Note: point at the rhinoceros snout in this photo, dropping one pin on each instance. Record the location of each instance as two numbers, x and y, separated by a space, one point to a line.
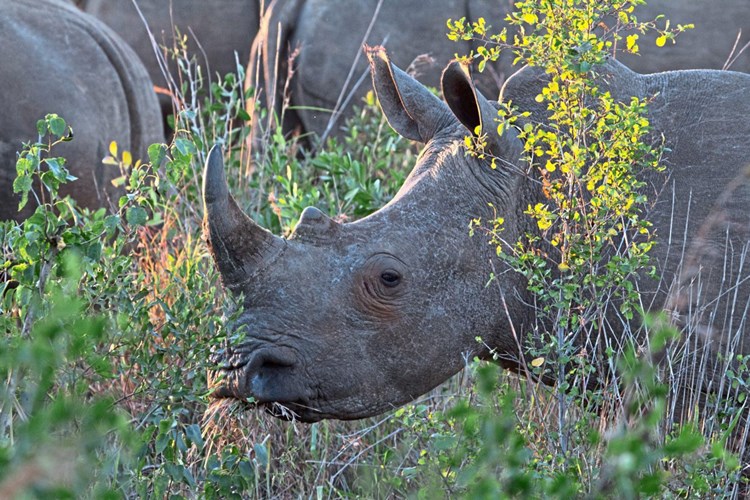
267 374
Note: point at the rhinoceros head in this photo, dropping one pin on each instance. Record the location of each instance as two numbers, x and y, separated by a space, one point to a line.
349 320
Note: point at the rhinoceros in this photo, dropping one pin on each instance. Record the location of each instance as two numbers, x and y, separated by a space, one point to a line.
329 71
329 68
216 29
348 320
56 59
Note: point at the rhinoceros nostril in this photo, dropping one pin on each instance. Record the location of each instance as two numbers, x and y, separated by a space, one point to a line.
265 373
271 377
277 358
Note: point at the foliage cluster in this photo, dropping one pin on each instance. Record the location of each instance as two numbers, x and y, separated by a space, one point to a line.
586 247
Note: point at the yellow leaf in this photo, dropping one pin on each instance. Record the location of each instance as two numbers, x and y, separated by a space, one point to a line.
661 41
537 362
119 181
530 17
127 158
539 98
631 43
113 148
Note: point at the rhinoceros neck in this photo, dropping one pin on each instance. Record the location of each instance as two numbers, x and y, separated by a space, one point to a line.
451 188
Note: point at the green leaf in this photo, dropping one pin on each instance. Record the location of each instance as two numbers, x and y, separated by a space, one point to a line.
156 154
22 185
246 469
162 440
243 115
111 222
56 125
41 127
119 181
193 432
136 216
686 442
184 146
261 454
57 167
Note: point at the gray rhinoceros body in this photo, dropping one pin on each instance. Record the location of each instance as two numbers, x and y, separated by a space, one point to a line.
216 29
718 25
56 59
350 320
330 70
328 34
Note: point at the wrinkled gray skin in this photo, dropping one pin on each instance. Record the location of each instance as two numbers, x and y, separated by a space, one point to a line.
216 29
56 59
407 29
350 320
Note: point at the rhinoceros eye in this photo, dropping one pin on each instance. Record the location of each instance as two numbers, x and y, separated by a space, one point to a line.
390 278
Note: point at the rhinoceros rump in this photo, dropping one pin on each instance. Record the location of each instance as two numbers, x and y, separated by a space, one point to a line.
56 59
350 320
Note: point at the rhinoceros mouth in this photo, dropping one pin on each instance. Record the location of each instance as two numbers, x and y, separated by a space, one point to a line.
273 378
267 375
294 411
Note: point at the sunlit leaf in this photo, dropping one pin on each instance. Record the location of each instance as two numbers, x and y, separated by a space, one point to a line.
127 158
530 17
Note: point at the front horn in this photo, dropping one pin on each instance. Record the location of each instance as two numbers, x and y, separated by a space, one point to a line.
238 244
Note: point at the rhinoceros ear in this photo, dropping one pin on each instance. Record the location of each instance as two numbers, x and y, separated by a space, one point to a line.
473 110
411 109
238 244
